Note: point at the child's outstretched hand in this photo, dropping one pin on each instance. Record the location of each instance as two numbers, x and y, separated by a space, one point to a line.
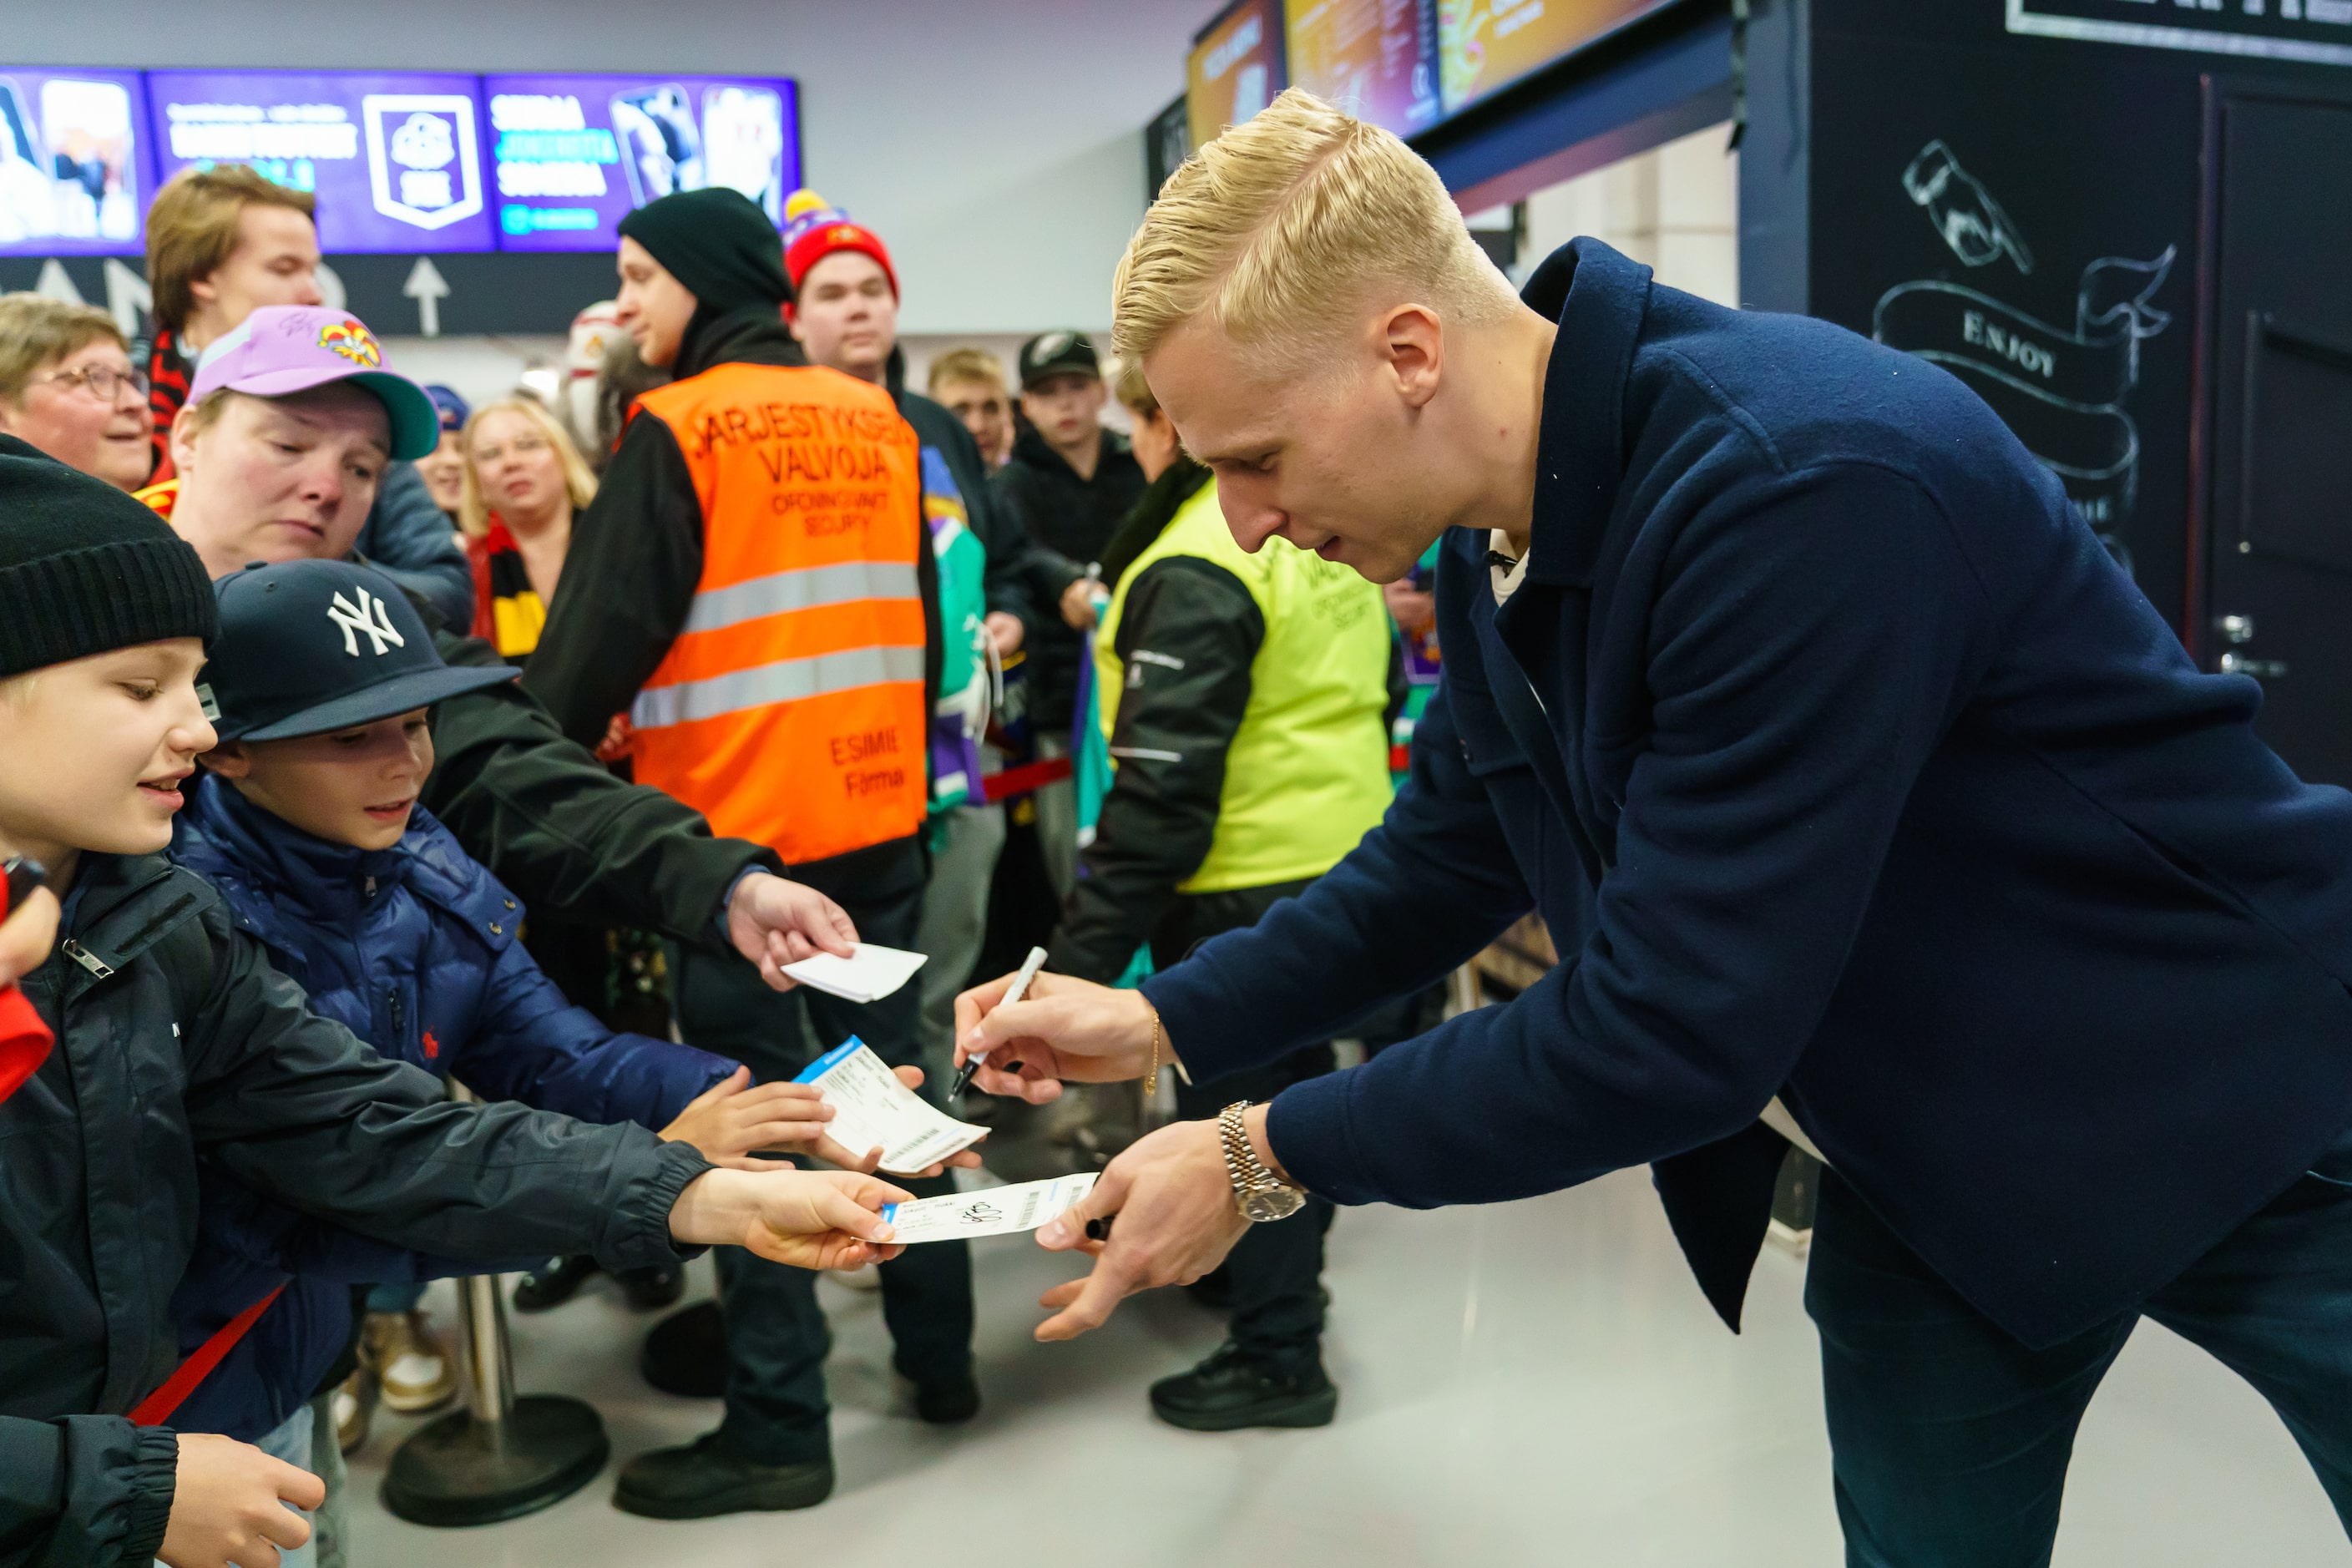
810 1219
733 1118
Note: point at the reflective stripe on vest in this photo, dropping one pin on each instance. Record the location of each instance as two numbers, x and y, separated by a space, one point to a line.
790 710
787 681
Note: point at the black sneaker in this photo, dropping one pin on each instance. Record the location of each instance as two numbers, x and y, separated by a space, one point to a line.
553 1283
703 1480
947 1403
1229 1391
653 1287
686 1352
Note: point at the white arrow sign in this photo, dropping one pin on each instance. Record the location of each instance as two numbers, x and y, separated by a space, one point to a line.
54 283
428 288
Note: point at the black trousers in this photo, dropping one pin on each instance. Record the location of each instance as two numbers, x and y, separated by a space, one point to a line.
777 1413
1276 1270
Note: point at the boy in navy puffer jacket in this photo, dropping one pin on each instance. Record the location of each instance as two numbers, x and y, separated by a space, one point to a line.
306 821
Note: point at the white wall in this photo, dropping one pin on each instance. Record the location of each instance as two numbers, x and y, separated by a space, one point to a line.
1676 207
997 147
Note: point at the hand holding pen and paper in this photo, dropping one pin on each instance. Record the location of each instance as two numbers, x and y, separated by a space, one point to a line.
735 1118
1058 1030
1019 987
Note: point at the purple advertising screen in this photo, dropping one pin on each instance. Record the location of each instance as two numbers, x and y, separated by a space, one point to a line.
569 156
76 170
396 158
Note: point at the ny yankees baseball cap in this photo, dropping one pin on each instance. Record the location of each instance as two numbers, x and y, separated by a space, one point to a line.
281 350
306 646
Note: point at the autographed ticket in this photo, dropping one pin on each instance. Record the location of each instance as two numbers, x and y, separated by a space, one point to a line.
996 1211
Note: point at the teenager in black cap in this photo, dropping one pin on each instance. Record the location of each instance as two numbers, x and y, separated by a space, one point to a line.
1070 483
754 587
176 1039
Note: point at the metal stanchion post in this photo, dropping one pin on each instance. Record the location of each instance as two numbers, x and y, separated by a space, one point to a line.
501 1456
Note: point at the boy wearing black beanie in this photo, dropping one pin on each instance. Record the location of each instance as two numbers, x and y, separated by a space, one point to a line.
175 1039
754 587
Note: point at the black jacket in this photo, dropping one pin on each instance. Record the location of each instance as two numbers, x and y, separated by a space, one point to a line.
1170 737
636 558
176 1038
556 826
1068 522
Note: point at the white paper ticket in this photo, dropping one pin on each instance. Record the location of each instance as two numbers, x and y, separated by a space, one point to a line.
992 1211
871 1108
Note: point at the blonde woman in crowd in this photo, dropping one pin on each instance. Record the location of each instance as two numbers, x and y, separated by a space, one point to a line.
525 481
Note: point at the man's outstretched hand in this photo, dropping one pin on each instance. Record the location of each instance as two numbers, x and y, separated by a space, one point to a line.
1176 1220
774 922
1062 1031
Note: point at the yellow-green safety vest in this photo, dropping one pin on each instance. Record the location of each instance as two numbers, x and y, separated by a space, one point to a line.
1308 773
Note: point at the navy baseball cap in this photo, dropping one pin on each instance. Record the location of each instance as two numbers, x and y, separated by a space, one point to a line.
306 646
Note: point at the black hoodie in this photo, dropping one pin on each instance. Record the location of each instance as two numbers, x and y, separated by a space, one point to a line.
636 556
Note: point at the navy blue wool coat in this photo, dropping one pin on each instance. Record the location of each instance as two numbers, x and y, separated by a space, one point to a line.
1845 765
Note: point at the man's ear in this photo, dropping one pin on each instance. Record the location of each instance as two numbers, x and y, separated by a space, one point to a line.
204 290
1411 342
229 759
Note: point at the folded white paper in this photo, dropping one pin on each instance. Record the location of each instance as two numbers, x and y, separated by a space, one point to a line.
995 1211
871 1108
873 974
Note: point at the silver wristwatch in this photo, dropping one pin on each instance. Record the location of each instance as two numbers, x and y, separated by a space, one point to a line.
1260 1194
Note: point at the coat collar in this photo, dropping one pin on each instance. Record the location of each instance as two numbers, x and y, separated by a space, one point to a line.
314 876
1599 298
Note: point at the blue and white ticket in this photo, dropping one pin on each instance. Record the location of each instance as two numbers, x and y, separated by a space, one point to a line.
872 1109
992 1211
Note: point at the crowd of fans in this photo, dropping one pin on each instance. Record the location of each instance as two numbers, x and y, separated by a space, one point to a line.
498 845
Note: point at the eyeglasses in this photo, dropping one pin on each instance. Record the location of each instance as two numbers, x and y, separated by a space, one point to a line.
522 446
105 383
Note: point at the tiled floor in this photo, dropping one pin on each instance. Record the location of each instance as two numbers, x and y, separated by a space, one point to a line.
1532 1383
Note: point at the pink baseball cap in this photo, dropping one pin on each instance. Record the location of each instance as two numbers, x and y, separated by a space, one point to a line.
283 349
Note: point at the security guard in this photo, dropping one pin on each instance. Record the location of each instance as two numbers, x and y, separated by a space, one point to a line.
754 590
1246 697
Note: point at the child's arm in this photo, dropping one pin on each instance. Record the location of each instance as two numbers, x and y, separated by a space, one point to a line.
533 1046
299 1109
83 1490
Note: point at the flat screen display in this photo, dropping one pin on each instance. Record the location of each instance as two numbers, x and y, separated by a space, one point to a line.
394 158
569 156
1375 58
76 172
1486 44
1235 67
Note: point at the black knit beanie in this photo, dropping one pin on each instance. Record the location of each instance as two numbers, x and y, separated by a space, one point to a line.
85 568
718 243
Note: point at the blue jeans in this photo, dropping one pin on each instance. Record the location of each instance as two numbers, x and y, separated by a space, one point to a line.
1950 1440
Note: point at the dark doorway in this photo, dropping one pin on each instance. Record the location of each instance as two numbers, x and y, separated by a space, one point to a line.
2279 538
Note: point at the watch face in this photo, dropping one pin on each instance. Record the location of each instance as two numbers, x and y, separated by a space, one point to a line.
1272 1203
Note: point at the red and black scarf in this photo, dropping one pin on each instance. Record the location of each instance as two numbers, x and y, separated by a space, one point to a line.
507 608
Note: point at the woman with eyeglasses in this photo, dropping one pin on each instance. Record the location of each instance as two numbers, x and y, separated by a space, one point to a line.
66 386
524 481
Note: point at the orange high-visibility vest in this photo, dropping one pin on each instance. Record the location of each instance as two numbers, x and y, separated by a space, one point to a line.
790 710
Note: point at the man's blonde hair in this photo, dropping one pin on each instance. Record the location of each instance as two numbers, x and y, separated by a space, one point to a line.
37 331
578 478
1283 228
966 364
